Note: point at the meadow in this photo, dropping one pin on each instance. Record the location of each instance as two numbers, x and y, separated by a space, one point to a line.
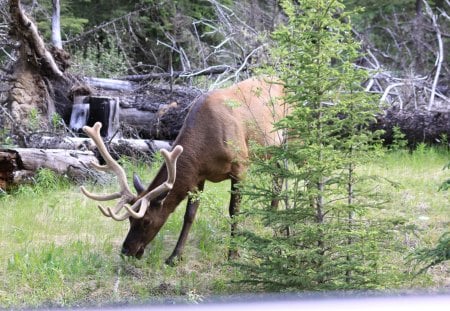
56 249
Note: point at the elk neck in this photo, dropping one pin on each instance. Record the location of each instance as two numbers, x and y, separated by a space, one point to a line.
189 163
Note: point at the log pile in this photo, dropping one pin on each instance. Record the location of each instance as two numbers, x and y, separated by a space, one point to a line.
156 111
148 112
69 156
145 114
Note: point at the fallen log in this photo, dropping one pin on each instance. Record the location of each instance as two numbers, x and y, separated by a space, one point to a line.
120 146
19 164
110 84
418 126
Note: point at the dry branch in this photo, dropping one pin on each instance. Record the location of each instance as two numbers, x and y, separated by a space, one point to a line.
182 74
404 73
440 53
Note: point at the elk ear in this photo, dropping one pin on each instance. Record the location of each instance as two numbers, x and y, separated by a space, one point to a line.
138 184
159 200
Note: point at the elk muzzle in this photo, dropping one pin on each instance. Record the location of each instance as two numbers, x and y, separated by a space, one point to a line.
136 251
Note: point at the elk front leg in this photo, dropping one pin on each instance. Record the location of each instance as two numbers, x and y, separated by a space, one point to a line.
189 216
235 201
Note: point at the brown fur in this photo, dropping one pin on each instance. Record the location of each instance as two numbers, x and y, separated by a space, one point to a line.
215 137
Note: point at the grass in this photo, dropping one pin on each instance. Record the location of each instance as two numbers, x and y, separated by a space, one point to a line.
416 202
56 249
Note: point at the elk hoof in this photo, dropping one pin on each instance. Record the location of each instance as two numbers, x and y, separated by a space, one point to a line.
173 260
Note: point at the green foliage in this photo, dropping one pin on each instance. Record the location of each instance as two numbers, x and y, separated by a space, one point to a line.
45 180
421 149
49 180
171 22
321 239
104 60
99 11
58 250
147 29
50 265
430 257
57 122
374 10
5 137
399 142
34 118
71 23
443 140
446 184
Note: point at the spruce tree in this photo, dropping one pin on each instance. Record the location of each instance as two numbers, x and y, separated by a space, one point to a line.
317 238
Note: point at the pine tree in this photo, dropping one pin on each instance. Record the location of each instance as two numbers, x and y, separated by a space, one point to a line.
317 238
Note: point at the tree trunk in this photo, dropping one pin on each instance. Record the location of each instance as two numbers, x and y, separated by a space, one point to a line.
419 5
56 24
66 156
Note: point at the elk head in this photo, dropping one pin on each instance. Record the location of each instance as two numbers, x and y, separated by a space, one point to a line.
131 206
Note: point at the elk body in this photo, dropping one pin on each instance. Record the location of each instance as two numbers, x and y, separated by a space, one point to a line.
213 145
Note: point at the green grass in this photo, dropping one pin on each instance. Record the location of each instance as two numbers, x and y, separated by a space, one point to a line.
56 249
413 200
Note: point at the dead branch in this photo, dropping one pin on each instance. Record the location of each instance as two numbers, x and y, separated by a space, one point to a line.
440 57
409 51
243 66
179 74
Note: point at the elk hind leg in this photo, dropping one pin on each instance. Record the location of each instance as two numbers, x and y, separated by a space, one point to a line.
235 200
277 186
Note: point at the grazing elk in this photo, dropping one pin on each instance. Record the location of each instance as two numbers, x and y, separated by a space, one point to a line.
213 145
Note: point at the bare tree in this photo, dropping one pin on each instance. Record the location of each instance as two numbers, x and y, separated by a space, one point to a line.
56 24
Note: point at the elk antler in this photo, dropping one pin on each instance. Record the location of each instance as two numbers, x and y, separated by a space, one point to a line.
125 194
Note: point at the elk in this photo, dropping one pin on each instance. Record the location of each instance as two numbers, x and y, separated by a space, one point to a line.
213 145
